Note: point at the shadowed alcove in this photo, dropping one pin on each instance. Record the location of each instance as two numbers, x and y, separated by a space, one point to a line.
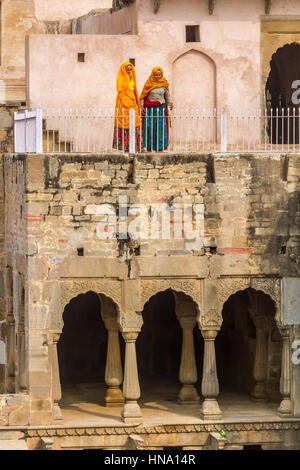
249 348
284 70
159 349
82 351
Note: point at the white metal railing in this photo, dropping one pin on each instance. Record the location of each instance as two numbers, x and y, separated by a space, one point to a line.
190 130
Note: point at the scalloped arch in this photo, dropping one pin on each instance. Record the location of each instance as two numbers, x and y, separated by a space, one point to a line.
189 287
71 289
269 286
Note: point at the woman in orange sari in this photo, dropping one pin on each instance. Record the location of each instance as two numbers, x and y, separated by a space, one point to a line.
127 98
155 99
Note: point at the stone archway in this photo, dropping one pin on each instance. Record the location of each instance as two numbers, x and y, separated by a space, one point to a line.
284 70
173 289
170 346
158 347
250 347
85 354
81 350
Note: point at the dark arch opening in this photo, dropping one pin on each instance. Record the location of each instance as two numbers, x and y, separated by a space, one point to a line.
284 70
82 345
82 351
159 347
236 346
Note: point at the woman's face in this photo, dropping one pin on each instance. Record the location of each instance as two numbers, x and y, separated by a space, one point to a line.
128 69
157 75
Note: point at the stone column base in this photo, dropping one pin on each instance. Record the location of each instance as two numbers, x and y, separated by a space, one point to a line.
285 408
259 393
57 416
211 409
114 397
131 413
10 385
188 394
261 399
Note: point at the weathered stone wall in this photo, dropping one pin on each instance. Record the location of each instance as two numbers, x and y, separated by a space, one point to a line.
251 230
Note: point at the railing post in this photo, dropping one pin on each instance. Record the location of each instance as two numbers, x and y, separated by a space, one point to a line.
39 131
132 131
28 131
224 130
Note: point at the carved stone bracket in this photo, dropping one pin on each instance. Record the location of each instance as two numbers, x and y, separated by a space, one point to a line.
210 319
150 287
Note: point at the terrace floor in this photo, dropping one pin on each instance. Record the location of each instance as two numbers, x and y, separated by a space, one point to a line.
83 405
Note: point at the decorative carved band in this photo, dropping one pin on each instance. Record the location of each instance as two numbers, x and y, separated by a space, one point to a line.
165 429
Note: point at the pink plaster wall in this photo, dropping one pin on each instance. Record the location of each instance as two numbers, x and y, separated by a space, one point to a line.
230 37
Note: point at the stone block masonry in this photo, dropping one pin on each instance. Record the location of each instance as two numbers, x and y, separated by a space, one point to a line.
52 250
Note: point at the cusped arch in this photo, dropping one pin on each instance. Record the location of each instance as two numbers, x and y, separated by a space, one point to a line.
191 288
174 292
230 286
285 47
71 289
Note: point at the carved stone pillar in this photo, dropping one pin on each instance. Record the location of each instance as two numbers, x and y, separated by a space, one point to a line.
113 369
131 388
10 384
188 368
210 384
56 387
260 361
285 408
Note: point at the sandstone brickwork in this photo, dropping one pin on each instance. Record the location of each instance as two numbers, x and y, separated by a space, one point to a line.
53 252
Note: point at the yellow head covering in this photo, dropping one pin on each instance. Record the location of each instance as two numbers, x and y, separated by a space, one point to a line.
151 83
127 96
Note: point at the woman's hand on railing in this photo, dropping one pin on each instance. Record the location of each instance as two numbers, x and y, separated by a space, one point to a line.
171 105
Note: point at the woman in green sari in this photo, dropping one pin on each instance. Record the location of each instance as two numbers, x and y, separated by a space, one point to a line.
155 99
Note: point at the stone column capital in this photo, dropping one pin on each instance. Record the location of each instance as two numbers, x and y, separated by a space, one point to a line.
284 331
187 323
261 322
209 335
10 319
111 323
53 336
130 336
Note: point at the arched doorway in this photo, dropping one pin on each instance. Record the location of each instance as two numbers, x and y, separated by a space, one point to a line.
89 352
284 70
160 349
249 348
